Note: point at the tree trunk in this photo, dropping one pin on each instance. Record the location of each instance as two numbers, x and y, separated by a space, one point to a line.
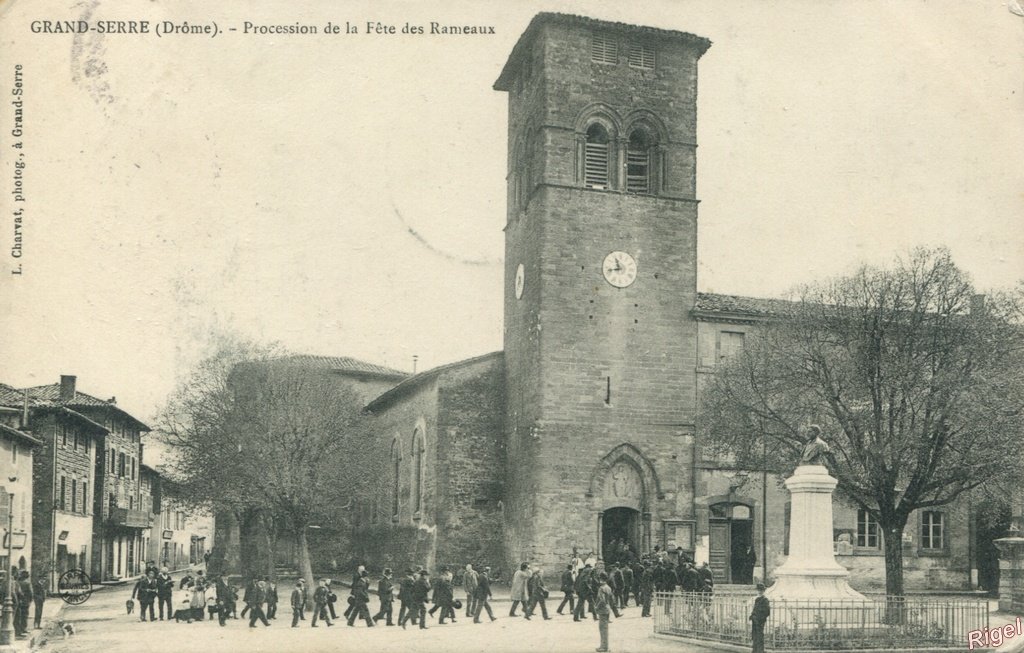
893 540
268 545
305 563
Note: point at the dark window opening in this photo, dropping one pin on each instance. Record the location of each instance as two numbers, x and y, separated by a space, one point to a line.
638 162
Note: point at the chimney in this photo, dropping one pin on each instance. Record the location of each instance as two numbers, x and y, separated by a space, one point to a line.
67 387
977 304
24 412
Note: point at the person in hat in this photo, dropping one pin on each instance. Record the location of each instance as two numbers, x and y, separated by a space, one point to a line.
360 597
538 593
469 584
483 593
298 603
305 598
420 592
758 617
320 602
385 591
405 598
604 604
566 587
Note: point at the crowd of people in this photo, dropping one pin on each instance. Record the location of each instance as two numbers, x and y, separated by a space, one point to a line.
586 591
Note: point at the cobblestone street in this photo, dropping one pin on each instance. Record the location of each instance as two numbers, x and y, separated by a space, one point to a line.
103 627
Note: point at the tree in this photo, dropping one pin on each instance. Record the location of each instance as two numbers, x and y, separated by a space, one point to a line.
259 434
916 384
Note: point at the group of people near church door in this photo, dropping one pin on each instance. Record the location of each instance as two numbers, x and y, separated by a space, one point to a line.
24 594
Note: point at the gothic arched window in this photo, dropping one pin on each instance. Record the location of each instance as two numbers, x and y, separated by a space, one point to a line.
639 157
417 472
396 462
596 157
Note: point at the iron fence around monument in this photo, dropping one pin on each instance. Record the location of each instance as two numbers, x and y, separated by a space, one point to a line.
794 625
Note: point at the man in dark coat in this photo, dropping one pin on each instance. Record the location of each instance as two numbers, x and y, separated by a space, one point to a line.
690 579
646 590
320 601
254 604
483 593
567 590
469 584
251 589
445 597
584 593
271 591
707 579
420 592
538 594
39 597
225 600
164 592
385 589
298 602
360 597
758 617
405 598
627 584
147 590
25 594
617 583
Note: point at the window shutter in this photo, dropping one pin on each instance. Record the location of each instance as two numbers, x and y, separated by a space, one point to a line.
596 165
641 56
604 49
638 168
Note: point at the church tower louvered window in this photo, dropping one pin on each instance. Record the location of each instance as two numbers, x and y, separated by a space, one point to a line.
596 157
638 162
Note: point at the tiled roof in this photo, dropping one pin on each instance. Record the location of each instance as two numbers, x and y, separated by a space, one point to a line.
417 379
21 435
51 394
12 397
342 364
739 305
505 79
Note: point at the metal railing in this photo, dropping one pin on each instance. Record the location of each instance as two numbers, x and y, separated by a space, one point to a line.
893 622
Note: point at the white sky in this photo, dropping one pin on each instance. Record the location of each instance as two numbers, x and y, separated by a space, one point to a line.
183 184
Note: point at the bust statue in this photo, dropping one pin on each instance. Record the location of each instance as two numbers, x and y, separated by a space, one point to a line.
816 449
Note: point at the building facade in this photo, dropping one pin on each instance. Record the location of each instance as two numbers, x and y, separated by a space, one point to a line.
17 449
581 432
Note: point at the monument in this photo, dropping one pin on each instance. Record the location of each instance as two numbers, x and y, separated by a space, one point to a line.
811 570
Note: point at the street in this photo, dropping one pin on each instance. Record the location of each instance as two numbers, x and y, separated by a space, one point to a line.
103 627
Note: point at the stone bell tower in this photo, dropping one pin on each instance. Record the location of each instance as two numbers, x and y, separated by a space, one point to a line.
600 278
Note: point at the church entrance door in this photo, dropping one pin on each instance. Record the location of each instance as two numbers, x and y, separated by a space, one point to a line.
732 554
619 526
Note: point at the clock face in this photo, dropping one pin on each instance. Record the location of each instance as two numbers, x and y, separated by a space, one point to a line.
520 280
619 269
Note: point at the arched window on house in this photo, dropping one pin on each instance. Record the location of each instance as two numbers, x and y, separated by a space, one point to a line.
639 161
417 472
596 154
396 462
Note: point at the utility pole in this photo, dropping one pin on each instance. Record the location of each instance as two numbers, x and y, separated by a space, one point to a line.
764 504
6 626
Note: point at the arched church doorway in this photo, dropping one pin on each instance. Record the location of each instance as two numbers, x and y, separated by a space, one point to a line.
619 527
732 553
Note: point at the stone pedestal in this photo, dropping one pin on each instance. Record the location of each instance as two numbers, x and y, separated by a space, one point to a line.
811 570
1011 574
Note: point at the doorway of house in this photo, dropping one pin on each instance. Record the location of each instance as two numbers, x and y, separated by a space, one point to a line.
619 526
732 554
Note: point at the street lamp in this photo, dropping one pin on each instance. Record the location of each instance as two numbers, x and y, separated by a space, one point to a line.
6 627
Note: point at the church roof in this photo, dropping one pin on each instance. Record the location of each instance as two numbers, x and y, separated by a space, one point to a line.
736 305
417 380
342 364
504 82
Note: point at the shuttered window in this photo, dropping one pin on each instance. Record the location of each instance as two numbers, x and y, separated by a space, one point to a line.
595 164
638 163
604 49
641 56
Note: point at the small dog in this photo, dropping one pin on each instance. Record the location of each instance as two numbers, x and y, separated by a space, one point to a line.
183 614
129 605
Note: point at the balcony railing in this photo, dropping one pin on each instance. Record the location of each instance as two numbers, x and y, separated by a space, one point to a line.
130 518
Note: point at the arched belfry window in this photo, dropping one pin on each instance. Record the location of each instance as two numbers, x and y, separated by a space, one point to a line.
596 157
417 472
396 462
639 161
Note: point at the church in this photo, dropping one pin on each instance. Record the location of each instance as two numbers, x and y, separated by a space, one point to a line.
581 432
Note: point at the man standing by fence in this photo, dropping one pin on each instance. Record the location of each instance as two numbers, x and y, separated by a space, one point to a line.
758 617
